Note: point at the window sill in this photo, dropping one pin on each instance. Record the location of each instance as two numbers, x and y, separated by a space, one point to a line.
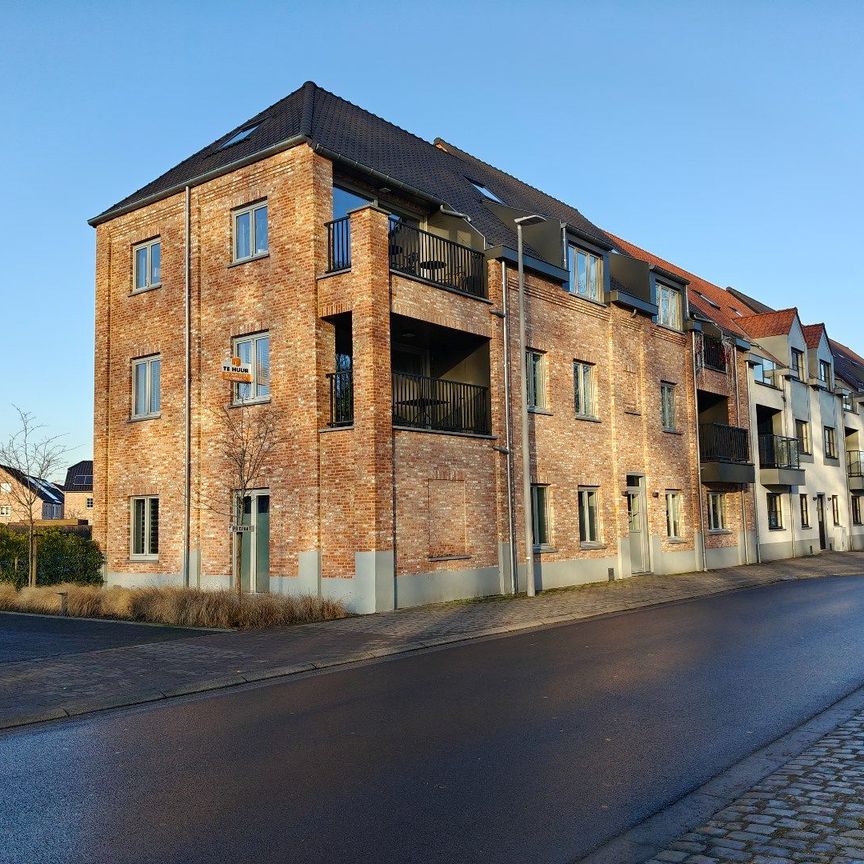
676 541
588 418
769 386
137 559
546 411
670 329
673 431
593 300
250 402
589 544
542 549
778 528
633 412
251 258
337 428
832 460
715 531
144 290
449 557
144 417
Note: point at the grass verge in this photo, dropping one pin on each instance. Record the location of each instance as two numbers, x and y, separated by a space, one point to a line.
182 607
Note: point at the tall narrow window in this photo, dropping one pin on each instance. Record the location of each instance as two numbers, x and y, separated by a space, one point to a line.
775 511
667 406
145 527
668 306
716 511
583 389
254 351
535 364
835 508
540 514
797 363
830 443
673 515
146 375
805 511
586 273
589 514
825 372
802 433
147 265
858 509
250 232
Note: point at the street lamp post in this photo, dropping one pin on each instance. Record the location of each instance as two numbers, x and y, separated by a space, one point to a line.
526 454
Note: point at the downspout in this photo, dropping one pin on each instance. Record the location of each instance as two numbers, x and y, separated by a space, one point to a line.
508 435
698 453
738 423
187 393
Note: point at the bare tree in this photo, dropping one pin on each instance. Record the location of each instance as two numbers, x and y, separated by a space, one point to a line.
30 457
248 434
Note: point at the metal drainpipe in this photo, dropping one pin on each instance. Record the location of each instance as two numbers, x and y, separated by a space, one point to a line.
187 393
738 423
698 454
508 434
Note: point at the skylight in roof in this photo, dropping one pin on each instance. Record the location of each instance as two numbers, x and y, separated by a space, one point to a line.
708 300
237 137
486 193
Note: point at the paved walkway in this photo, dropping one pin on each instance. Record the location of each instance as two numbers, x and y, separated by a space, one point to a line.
52 688
811 810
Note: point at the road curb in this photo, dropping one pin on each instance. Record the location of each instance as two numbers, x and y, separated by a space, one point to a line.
657 832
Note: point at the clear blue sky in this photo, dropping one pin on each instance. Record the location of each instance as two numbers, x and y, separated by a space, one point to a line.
726 137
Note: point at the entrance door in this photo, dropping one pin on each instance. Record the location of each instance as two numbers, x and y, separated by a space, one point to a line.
637 518
255 544
820 515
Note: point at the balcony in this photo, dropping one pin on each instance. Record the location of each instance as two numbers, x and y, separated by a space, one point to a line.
725 454
778 461
421 402
712 355
338 244
855 469
341 398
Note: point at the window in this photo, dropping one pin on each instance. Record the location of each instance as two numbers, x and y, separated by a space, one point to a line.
589 514
802 433
825 372
344 201
667 406
716 511
805 511
253 351
775 511
835 508
486 193
797 363
540 514
147 265
586 273
88 503
250 232
145 528
830 443
668 306
858 509
673 515
763 370
146 374
849 402
237 137
535 364
5 510
583 389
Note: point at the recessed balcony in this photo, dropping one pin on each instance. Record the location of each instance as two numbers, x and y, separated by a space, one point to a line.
725 454
779 463
855 469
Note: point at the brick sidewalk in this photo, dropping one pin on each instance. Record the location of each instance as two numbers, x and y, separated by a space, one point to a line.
811 810
32 691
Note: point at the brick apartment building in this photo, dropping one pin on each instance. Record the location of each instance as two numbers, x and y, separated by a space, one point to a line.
369 280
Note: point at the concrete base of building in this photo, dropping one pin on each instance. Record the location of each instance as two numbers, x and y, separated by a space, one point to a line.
440 586
856 541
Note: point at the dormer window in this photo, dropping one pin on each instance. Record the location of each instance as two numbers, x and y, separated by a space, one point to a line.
668 306
825 372
586 273
797 363
486 193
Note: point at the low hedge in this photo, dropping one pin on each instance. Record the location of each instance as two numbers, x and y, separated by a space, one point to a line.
61 556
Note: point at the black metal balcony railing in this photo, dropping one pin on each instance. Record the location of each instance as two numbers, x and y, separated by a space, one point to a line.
777 451
341 398
855 461
414 252
719 443
713 355
338 244
435 403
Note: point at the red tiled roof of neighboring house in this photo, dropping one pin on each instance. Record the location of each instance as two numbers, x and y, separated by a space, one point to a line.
708 299
813 333
769 323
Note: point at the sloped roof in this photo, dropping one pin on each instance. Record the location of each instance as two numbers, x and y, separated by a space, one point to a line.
710 300
351 135
848 365
769 323
813 333
79 477
44 489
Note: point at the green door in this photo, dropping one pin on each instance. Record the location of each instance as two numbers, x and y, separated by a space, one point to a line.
255 543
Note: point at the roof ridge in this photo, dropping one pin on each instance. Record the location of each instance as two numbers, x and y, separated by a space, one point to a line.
775 312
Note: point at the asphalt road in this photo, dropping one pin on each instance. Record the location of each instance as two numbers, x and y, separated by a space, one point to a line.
529 748
31 637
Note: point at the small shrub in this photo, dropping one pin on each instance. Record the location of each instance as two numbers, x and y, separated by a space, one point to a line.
65 557
13 557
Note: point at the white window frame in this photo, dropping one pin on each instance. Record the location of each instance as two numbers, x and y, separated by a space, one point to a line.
251 209
673 514
148 387
593 290
716 511
589 496
776 498
148 275
835 510
825 370
668 413
535 373
584 389
804 509
149 554
669 314
540 495
256 396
